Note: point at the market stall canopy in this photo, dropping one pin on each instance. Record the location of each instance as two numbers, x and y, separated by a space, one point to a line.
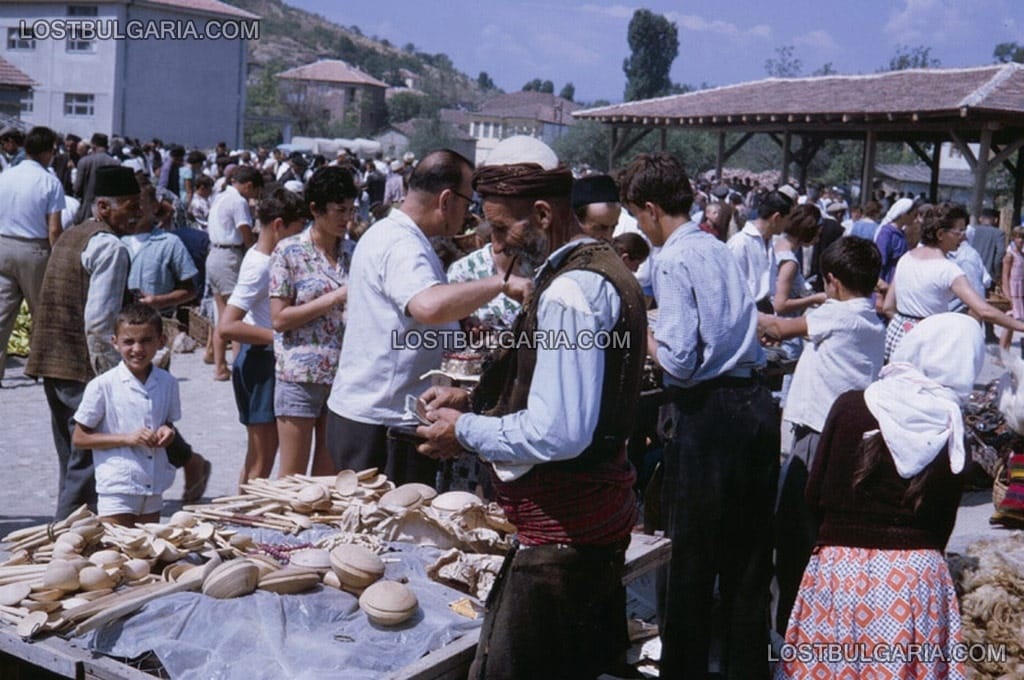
983 105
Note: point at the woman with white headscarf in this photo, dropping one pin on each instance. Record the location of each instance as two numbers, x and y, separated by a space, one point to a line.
886 485
927 280
891 238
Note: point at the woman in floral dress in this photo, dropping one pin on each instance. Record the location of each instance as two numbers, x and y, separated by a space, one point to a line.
308 289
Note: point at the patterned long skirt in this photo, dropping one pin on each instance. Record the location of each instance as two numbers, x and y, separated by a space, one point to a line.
899 325
874 614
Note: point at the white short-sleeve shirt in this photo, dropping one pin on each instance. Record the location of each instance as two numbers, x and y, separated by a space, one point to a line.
843 352
228 212
923 285
382 357
117 403
757 261
252 292
28 193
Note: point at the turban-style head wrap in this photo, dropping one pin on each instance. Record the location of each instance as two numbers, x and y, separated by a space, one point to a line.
522 167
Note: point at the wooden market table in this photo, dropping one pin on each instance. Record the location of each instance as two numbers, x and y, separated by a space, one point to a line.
56 657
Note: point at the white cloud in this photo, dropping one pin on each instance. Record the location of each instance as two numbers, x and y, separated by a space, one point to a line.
687 22
819 39
929 21
558 47
692 22
613 11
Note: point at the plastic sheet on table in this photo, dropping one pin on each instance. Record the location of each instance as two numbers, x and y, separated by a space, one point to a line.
304 636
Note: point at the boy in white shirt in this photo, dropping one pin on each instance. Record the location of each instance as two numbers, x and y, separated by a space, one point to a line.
125 418
845 341
246 320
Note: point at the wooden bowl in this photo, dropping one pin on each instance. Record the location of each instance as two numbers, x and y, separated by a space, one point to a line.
108 559
346 483
62 575
135 569
183 519
72 539
427 492
233 578
289 580
453 501
95 578
356 566
311 558
388 603
404 497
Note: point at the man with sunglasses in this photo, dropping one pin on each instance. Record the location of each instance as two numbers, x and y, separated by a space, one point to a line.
399 305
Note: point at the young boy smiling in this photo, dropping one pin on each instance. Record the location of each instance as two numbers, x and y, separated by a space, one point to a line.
125 418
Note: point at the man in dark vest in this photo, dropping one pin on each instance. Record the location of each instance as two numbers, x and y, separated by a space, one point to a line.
551 416
83 290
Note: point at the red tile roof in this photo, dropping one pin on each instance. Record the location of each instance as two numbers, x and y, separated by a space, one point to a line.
927 92
541 106
11 75
331 71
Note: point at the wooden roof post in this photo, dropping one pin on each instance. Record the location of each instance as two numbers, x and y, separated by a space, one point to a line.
1018 190
614 148
867 175
720 156
933 184
981 174
787 158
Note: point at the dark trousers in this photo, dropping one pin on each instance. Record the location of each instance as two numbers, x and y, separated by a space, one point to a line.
721 468
76 483
358 446
554 612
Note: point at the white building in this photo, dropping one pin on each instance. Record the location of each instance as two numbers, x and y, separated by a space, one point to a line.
173 69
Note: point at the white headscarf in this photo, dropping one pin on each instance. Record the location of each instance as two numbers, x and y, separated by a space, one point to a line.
898 209
916 399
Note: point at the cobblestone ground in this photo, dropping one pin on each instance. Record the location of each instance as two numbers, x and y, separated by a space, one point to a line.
210 422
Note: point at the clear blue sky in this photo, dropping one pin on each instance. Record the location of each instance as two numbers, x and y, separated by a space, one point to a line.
720 41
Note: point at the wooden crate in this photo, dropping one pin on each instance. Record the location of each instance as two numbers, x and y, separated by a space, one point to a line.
199 327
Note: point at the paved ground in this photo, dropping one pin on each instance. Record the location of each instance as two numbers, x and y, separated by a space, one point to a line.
210 423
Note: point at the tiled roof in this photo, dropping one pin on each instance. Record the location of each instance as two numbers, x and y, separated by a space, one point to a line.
540 106
207 6
331 71
913 93
11 76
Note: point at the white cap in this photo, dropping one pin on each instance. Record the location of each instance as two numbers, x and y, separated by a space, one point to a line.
294 186
522 149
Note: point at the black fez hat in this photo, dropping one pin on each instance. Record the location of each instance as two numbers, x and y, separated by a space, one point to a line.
116 180
594 189
298 158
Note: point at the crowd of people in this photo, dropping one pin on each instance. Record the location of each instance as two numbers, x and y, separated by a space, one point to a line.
327 281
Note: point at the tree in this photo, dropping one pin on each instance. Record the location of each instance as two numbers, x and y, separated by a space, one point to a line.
1006 52
654 45
535 85
484 81
568 91
547 86
912 57
784 64
429 135
825 70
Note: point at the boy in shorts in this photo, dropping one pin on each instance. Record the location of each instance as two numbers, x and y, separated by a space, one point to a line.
125 418
246 320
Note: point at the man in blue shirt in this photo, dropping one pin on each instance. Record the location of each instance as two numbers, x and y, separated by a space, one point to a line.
721 459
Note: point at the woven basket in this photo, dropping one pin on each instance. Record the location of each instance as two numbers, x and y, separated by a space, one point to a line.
198 326
999 485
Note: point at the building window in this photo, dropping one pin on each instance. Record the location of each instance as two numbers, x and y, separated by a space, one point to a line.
74 43
27 103
79 104
16 40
